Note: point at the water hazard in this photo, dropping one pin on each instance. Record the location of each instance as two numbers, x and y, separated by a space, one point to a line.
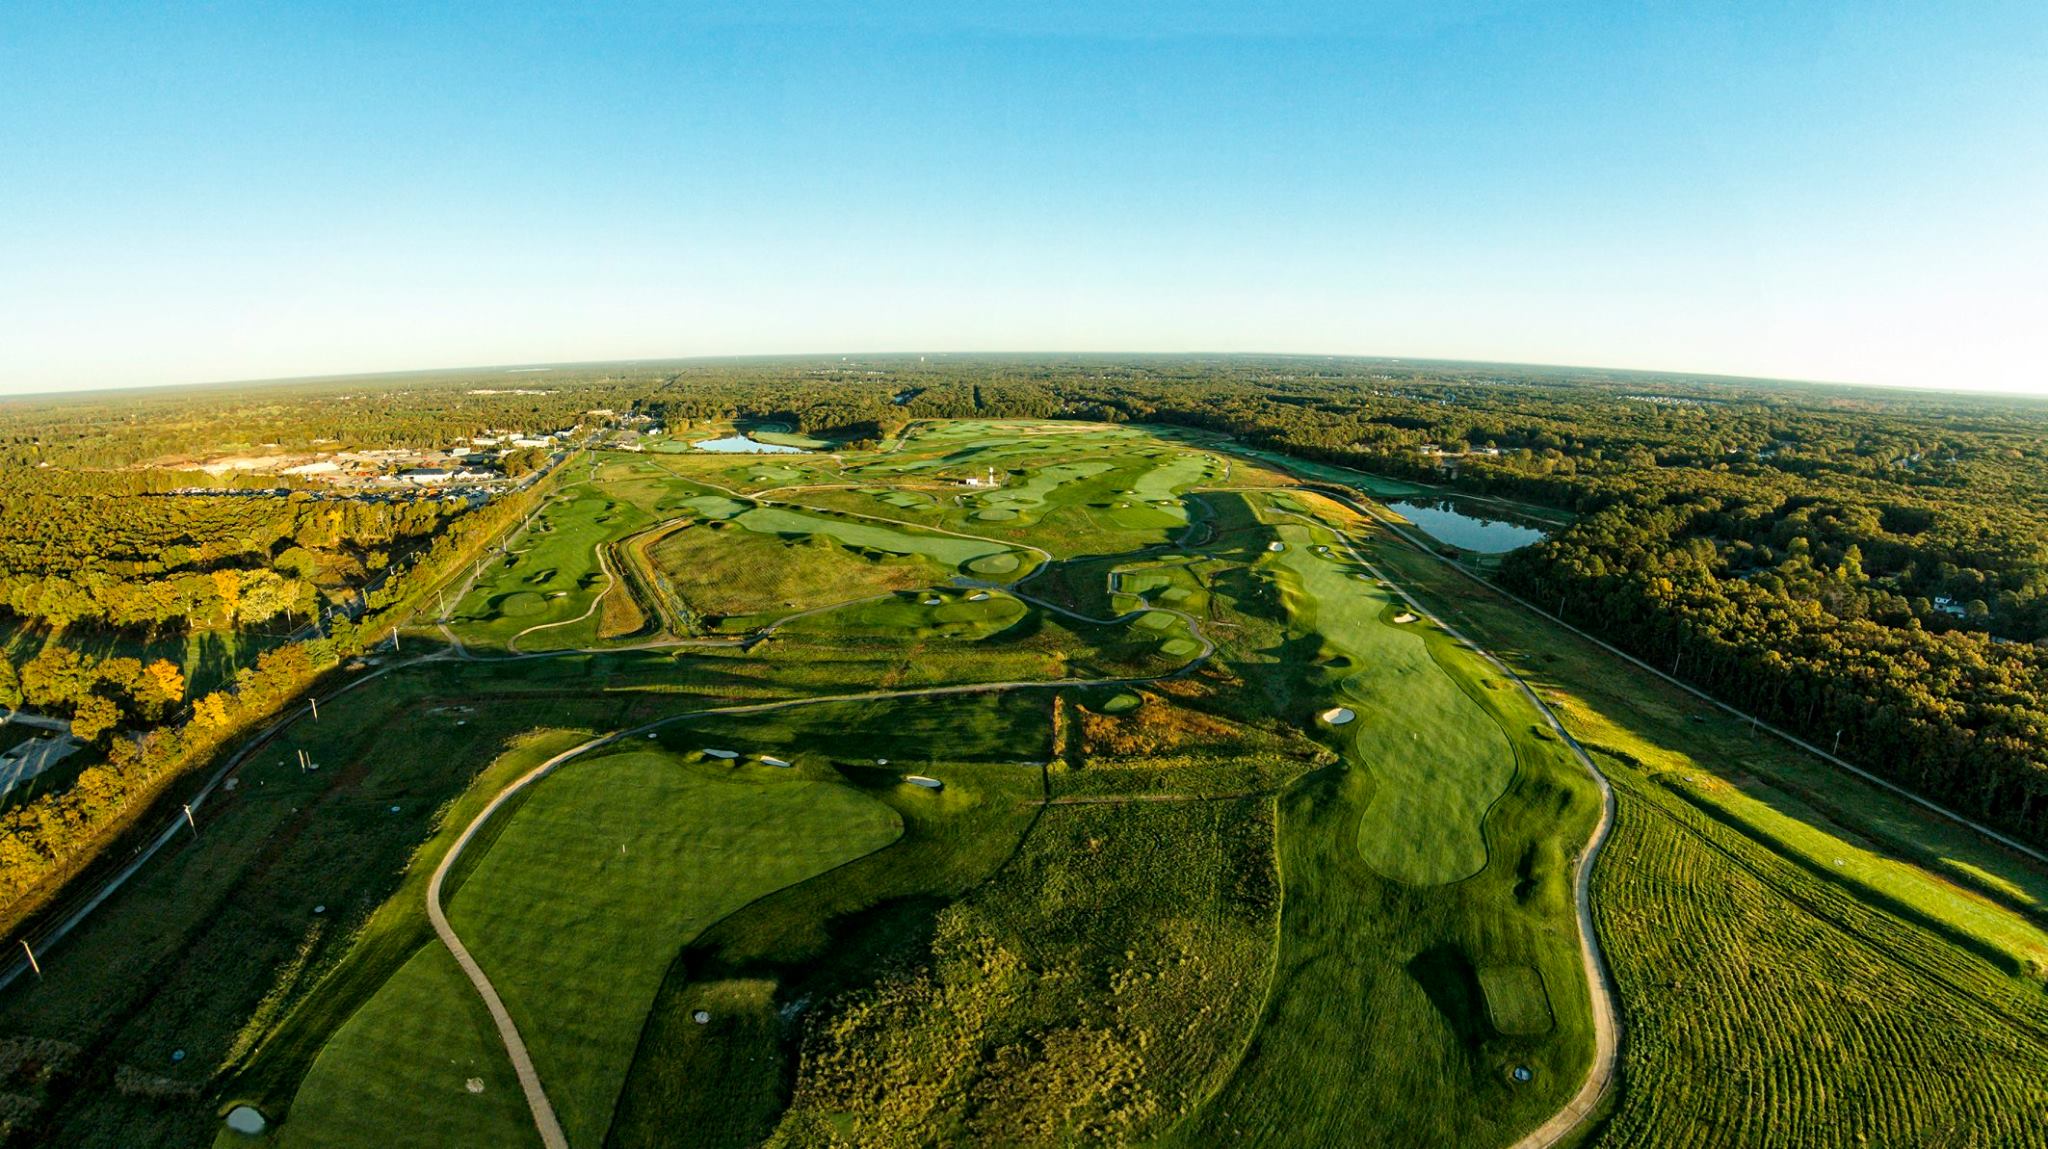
1462 525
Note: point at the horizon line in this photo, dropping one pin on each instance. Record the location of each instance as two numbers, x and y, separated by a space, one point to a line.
537 366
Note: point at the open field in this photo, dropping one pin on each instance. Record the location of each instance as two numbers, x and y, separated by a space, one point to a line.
1758 906
1130 800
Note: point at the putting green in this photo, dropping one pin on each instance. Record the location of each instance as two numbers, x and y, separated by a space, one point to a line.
995 564
522 604
1438 759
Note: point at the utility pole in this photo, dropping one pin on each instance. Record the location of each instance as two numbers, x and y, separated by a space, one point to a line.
31 958
188 819
394 641
316 708
1838 744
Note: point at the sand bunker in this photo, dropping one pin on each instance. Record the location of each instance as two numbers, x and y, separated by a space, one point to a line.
1338 715
1404 616
728 755
921 780
245 1119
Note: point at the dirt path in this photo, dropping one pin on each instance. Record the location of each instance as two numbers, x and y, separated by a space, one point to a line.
544 1120
1599 986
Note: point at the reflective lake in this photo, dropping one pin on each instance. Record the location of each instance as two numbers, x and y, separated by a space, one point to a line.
741 445
1463 525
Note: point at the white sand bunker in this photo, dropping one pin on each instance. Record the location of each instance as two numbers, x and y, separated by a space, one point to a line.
1276 547
1404 616
771 760
728 755
933 601
982 597
474 1085
1338 715
245 1119
921 780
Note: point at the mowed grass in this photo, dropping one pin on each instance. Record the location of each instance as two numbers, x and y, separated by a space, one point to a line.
922 614
782 955
1072 488
745 577
1770 996
460 1090
606 871
550 578
1378 1027
1437 757
215 949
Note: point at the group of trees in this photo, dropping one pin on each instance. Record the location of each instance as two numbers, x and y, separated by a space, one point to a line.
157 741
76 552
97 693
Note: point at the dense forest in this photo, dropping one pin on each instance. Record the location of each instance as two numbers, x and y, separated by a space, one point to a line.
1862 566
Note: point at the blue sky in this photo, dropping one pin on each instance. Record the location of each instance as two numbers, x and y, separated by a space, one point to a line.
210 191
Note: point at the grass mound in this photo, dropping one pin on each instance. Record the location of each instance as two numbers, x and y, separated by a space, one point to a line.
521 604
1515 1000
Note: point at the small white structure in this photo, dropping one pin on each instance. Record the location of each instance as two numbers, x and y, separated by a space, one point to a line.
976 481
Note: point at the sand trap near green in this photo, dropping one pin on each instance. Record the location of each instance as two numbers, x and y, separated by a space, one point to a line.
1169 479
921 614
1438 759
949 550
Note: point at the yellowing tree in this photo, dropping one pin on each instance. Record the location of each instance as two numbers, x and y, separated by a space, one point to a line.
164 682
228 585
211 711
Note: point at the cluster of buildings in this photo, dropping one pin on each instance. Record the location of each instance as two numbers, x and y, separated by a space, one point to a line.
475 463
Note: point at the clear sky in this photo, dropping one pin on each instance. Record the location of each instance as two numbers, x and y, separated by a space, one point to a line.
232 190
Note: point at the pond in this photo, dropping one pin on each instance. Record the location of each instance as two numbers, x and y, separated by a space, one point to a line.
742 445
1459 524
